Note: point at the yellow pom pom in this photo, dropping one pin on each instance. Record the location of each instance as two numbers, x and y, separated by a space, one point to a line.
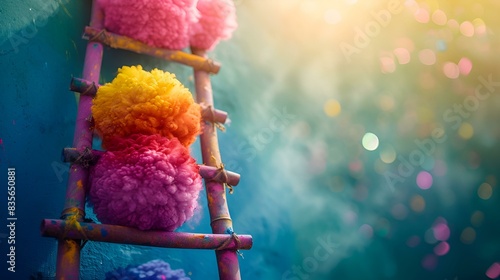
141 102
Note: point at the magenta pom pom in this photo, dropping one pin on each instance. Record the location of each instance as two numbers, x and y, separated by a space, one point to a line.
159 23
217 22
149 182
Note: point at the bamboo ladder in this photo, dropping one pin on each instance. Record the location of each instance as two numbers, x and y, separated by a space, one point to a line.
72 229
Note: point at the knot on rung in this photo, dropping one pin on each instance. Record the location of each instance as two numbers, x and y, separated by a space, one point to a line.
222 176
226 243
216 117
84 87
72 216
90 90
85 157
101 34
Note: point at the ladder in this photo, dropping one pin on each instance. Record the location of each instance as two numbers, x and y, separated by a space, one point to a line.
72 230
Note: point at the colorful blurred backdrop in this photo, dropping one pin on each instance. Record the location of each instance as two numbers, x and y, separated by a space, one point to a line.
366 133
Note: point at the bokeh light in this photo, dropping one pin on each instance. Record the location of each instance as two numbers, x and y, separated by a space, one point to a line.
453 25
350 217
399 211
468 235
429 262
466 131
388 154
451 70
403 55
370 141
332 108
427 57
441 45
485 191
366 231
480 26
465 66
493 271
441 231
417 203
422 15
387 64
439 17
424 180
442 249
477 218
467 29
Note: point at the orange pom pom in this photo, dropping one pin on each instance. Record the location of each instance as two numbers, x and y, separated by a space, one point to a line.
141 102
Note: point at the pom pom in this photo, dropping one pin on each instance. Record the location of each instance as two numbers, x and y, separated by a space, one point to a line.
150 182
217 22
153 270
141 102
159 23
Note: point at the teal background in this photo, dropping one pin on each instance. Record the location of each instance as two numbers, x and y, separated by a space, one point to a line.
309 180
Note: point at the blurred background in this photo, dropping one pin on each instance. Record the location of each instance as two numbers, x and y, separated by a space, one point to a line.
366 134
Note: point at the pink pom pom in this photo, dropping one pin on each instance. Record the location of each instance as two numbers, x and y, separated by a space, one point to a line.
217 22
159 23
149 182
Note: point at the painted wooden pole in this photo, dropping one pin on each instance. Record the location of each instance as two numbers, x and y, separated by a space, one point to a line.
68 250
221 223
85 87
62 229
125 43
90 157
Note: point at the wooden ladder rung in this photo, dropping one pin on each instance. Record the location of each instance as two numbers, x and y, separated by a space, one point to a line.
89 157
125 43
85 87
64 229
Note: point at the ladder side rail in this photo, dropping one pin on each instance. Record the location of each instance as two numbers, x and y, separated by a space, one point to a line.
221 223
68 250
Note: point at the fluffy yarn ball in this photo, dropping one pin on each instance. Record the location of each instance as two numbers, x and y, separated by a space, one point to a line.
150 182
153 270
217 22
141 102
159 23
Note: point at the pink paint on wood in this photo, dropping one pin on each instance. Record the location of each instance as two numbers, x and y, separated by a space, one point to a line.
221 223
68 251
